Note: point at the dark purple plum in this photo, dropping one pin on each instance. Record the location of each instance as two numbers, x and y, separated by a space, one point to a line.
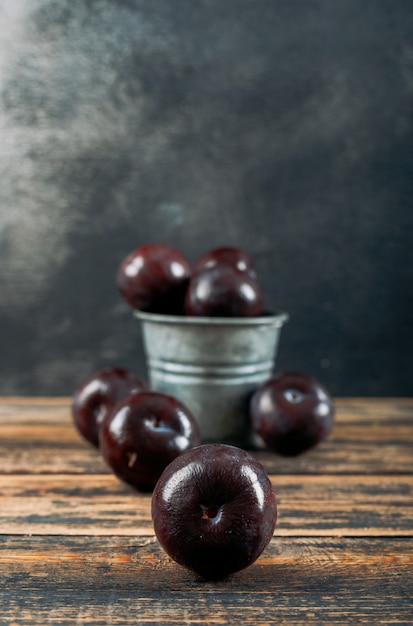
154 278
97 395
225 255
292 412
223 291
214 510
143 434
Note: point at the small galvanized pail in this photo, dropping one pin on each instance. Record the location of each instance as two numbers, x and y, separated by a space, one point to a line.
212 365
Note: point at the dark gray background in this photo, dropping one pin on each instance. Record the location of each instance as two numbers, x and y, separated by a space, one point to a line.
284 127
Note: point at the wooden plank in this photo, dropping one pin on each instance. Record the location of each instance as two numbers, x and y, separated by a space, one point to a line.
349 410
77 545
18 410
32 402
53 458
89 580
308 505
345 453
370 436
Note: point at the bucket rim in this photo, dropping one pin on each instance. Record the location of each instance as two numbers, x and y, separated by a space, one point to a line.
270 319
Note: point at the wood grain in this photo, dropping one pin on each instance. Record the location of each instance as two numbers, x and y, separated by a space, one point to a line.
77 545
369 437
125 580
307 505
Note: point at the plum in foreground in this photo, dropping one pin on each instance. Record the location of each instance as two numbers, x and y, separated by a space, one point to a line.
214 510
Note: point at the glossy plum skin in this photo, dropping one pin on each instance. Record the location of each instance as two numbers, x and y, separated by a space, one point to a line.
225 255
223 291
154 278
292 412
97 395
143 434
214 510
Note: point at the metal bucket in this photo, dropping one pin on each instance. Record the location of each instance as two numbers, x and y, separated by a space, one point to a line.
212 365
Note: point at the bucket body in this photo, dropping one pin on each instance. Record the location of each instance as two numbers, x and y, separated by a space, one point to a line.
212 365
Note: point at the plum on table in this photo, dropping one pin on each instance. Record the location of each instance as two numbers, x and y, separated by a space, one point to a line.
143 434
214 510
96 396
292 412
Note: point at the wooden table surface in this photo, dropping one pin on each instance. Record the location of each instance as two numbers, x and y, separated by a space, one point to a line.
78 546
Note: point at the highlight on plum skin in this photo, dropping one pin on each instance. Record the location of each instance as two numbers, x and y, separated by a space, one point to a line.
214 510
